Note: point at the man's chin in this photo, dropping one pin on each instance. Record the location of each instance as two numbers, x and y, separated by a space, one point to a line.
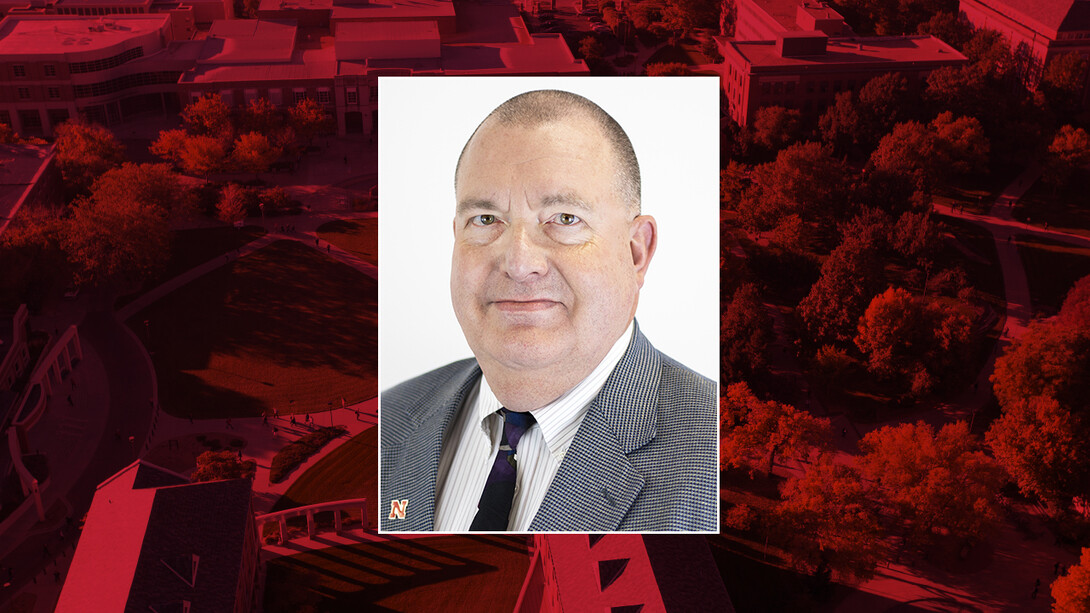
529 348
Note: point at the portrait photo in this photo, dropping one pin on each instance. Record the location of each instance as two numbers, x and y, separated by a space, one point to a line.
548 304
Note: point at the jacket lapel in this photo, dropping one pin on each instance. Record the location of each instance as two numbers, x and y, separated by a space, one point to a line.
418 461
596 485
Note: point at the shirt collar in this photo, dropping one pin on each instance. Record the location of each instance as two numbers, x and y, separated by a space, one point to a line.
559 420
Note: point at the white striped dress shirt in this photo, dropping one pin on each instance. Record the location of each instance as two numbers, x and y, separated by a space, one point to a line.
470 448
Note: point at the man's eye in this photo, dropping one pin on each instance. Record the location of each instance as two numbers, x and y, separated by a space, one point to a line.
483 220
567 219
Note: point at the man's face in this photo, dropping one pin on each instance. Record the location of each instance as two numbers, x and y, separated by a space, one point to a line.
548 262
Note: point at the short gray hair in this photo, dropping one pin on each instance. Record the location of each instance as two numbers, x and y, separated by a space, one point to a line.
534 108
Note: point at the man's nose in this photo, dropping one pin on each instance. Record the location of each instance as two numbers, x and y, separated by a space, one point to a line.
523 257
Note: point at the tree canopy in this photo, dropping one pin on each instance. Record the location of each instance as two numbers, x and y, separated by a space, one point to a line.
755 431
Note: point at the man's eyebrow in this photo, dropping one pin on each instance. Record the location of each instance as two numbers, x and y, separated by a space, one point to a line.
567 199
475 204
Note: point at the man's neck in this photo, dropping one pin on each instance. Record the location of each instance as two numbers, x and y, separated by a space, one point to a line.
523 390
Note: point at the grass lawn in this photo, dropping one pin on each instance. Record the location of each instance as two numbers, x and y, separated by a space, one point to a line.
349 471
442 573
358 236
191 248
1065 211
1052 267
285 327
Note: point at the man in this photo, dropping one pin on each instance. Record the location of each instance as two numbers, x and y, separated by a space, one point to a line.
567 418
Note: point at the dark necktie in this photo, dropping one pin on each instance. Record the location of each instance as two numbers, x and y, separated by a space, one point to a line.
494 509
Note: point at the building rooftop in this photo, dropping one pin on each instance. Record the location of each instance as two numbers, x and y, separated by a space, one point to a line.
22 35
366 31
785 12
542 54
855 50
303 64
247 41
146 546
79 3
1048 16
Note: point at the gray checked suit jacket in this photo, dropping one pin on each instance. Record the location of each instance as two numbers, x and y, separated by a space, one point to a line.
645 457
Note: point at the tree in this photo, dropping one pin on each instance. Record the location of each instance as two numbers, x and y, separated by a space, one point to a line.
915 237
687 15
774 127
1072 591
804 179
916 341
308 119
1069 151
744 334
1048 360
7 135
202 155
883 102
210 116
232 204
1042 384
1075 310
1044 447
153 184
119 241
666 69
754 432
937 481
33 262
254 153
850 277
947 27
931 153
840 124
733 180
591 48
1063 83
170 145
85 151
961 142
644 13
261 116
219 465
828 520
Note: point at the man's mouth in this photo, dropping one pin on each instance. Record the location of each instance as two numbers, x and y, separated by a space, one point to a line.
522 306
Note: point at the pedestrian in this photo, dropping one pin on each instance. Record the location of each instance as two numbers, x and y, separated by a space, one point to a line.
1008 238
264 419
45 549
346 160
357 414
1046 225
276 413
229 426
843 433
70 400
239 455
57 576
315 241
275 431
293 419
327 247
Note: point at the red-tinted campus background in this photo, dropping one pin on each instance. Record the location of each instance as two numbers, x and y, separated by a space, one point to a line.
188 212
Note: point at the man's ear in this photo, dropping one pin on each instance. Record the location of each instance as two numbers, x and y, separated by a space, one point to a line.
644 240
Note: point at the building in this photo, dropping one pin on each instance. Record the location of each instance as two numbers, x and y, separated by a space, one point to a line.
1038 31
766 19
283 61
623 573
55 67
806 70
152 541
